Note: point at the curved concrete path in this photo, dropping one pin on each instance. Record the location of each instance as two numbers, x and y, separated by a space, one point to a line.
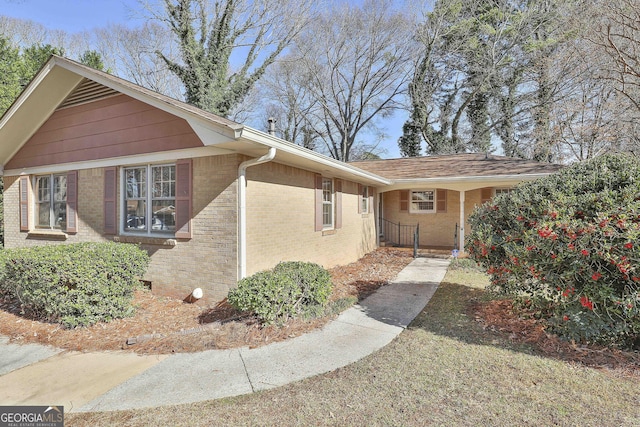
38 375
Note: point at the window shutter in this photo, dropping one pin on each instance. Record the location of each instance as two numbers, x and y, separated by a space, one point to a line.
24 184
110 202
184 190
370 203
72 202
441 200
404 200
485 194
360 191
318 197
338 220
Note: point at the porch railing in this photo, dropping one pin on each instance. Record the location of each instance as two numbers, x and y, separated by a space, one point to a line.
405 235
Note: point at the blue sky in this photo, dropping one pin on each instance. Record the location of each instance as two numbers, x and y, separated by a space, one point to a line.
76 16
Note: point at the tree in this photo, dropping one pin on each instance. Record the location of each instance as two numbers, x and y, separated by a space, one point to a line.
212 38
92 59
354 62
10 73
618 33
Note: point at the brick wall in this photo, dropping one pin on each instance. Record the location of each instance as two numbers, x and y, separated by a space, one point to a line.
281 218
207 260
436 229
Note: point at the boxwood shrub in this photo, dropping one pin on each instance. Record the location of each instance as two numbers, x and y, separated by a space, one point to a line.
289 290
567 246
76 284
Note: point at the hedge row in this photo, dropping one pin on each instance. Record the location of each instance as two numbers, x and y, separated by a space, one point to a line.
77 284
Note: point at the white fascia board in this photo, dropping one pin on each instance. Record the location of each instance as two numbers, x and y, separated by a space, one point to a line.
321 160
462 183
139 159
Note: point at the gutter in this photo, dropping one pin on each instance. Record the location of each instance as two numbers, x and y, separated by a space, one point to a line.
242 208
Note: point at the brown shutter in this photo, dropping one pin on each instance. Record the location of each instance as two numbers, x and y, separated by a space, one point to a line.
318 200
338 189
24 184
485 194
110 201
360 192
72 202
441 200
404 200
184 190
370 204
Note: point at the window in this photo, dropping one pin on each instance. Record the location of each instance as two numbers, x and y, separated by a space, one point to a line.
423 201
150 199
51 201
502 191
364 199
327 203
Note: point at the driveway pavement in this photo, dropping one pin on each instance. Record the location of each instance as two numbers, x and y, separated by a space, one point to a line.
105 381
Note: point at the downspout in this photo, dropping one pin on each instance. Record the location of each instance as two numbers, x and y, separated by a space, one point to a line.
242 208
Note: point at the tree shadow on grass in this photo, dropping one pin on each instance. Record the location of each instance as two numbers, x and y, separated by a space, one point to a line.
468 315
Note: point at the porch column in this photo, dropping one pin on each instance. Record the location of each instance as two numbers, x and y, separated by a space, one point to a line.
461 234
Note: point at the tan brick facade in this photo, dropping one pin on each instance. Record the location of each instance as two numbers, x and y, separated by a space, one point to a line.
280 226
436 229
281 217
207 260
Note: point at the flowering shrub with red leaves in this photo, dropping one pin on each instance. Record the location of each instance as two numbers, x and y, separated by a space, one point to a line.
568 245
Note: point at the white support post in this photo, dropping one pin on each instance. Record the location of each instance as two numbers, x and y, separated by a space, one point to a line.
461 234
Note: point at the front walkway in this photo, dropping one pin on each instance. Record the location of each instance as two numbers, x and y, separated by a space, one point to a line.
117 380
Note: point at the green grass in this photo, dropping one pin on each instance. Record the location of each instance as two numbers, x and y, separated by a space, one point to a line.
444 370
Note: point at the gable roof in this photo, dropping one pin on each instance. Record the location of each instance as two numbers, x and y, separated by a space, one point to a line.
61 83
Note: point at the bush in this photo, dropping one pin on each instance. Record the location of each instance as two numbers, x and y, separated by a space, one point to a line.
76 285
289 290
566 246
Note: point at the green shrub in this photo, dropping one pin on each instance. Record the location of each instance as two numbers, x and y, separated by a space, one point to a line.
567 247
289 290
77 284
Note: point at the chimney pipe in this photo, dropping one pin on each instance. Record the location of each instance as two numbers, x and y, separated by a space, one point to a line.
272 126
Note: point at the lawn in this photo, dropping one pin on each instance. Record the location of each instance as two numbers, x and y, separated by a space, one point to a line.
446 369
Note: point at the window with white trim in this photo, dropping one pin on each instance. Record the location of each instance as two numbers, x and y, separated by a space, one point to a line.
51 201
149 199
364 200
499 191
423 201
327 203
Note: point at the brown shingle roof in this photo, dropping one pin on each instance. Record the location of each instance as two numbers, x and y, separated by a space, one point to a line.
455 165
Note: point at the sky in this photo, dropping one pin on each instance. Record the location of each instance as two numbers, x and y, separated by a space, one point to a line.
75 16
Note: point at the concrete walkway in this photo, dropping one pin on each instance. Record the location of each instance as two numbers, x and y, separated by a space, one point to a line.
106 381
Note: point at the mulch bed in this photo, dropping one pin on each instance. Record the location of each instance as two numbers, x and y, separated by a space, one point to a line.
163 325
500 316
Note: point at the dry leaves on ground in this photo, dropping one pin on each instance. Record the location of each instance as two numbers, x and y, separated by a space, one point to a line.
500 316
162 325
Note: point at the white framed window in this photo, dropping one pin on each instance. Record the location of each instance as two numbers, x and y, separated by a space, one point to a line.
423 201
51 201
498 191
327 203
149 199
364 199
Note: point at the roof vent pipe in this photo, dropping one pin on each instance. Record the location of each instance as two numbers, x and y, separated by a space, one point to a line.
272 126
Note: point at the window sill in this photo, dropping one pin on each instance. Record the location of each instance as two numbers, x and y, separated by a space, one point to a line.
144 240
47 235
328 232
